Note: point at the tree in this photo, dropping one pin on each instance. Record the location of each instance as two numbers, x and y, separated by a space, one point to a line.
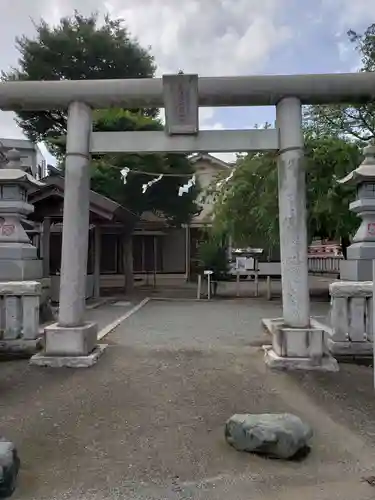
162 197
356 121
248 207
78 48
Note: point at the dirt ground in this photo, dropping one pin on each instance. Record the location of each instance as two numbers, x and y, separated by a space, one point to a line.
147 422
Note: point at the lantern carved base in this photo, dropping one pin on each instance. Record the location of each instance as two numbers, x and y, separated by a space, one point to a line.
356 270
20 270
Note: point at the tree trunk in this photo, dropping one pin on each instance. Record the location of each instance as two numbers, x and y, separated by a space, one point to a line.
345 243
128 263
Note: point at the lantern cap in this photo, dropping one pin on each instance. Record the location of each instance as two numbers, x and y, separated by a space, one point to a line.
366 170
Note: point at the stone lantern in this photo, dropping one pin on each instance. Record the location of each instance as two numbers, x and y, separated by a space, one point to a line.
18 257
358 266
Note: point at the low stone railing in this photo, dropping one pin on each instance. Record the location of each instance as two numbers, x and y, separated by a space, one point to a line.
19 315
351 331
329 264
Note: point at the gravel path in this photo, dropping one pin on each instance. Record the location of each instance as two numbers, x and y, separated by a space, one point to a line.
147 421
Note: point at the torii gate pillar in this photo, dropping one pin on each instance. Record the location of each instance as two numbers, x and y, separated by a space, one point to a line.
296 344
72 341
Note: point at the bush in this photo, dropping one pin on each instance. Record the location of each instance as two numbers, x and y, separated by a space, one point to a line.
213 256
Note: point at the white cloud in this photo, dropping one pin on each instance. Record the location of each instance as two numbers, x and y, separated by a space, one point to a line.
8 127
350 14
345 50
210 37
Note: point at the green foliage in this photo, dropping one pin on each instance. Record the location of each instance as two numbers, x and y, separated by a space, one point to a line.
162 197
247 207
329 159
356 121
213 256
78 48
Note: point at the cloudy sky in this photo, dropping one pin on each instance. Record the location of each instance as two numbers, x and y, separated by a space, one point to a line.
212 38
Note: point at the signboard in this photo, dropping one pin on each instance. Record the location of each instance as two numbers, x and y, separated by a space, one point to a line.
245 263
181 104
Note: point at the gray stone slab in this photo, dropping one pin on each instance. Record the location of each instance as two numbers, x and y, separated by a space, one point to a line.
20 288
20 346
43 360
325 364
347 289
358 349
121 303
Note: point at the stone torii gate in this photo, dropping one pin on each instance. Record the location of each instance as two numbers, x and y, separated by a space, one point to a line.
72 341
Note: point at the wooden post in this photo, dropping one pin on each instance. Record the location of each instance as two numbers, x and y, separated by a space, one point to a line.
128 263
269 290
199 286
187 252
46 238
97 256
256 283
155 260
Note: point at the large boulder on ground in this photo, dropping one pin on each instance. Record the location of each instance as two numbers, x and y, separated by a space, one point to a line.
9 467
274 435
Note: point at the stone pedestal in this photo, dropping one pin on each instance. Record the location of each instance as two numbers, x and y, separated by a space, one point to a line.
74 341
297 348
74 347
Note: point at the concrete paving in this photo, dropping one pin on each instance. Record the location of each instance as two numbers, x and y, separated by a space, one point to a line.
318 285
110 311
147 421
